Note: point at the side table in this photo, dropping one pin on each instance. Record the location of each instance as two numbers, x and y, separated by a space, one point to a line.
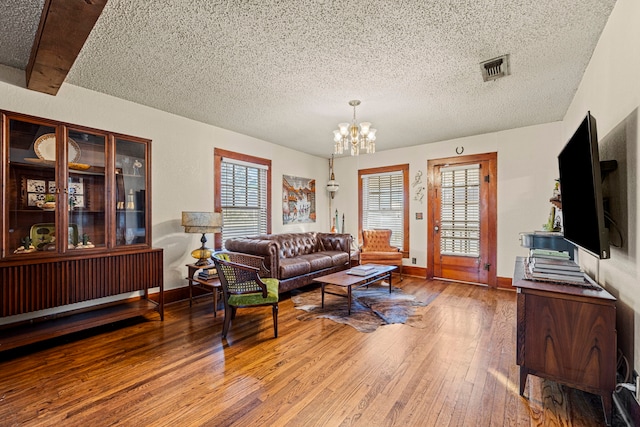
211 284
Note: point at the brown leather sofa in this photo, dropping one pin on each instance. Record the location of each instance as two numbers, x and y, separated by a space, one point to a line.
296 259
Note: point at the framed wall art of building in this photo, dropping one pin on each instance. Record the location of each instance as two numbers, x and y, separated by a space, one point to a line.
298 199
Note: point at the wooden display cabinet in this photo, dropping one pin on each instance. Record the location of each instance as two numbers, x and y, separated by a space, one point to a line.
75 227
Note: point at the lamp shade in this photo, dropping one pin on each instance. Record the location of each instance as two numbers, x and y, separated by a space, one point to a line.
364 128
202 222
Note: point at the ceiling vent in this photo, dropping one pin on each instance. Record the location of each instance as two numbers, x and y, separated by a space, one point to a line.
495 68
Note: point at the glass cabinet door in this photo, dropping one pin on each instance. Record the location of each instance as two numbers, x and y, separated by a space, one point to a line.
86 191
131 192
31 193
52 208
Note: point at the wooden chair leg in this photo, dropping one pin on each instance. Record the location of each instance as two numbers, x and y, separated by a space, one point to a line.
227 320
275 319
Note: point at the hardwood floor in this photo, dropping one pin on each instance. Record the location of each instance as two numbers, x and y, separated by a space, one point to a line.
461 371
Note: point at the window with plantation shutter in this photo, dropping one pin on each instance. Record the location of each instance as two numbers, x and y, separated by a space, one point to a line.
243 197
384 195
460 210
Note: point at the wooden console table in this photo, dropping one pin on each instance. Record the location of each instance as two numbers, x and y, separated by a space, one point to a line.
566 334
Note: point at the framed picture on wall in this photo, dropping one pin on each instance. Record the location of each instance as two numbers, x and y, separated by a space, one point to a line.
298 199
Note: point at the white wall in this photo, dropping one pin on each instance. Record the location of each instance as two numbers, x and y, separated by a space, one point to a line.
527 168
182 159
610 89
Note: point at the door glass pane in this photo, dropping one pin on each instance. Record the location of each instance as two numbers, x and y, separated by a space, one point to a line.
32 188
131 198
86 191
460 211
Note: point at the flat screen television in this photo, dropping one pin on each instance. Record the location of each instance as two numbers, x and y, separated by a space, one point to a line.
581 191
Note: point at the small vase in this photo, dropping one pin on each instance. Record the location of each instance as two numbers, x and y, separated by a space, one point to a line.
129 236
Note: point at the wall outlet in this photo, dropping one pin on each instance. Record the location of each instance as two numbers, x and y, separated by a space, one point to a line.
413 260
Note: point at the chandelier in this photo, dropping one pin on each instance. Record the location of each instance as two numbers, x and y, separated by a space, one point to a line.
350 137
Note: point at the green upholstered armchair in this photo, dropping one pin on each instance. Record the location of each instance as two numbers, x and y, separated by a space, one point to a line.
243 287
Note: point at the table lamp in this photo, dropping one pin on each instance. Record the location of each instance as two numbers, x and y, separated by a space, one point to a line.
202 222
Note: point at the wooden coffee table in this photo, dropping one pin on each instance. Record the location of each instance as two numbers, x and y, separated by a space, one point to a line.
350 281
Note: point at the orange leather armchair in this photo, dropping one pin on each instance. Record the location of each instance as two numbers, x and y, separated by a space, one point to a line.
376 249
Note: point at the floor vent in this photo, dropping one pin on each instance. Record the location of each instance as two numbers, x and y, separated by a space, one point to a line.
495 68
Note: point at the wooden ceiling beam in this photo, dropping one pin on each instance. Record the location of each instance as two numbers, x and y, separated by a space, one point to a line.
64 27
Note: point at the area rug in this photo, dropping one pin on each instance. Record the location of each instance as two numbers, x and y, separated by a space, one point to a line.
371 307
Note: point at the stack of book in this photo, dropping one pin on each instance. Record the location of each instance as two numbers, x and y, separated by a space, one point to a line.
549 254
554 270
362 270
208 273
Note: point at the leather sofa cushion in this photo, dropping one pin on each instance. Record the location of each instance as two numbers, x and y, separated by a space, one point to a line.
337 257
291 267
318 260
303 264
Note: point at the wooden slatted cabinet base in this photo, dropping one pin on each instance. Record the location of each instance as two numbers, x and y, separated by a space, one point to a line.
31 287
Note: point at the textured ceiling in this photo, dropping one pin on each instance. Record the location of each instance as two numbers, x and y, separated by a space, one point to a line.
284 71
18 23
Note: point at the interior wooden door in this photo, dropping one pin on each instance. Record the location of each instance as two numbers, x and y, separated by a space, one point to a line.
462 219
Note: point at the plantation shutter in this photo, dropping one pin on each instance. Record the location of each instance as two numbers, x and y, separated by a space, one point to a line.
383 204
243 193
460 215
